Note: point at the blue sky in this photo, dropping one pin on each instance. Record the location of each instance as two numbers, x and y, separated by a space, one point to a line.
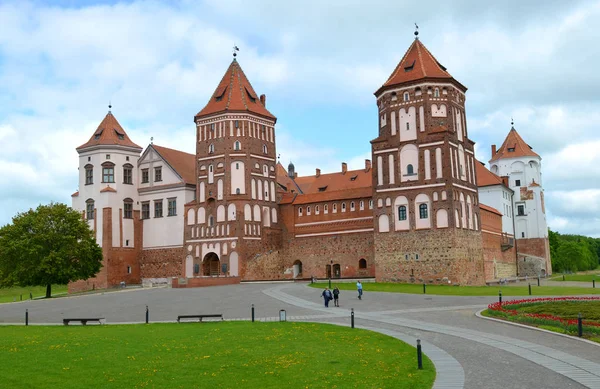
318 63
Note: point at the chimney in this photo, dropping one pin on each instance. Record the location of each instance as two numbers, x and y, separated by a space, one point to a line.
493 150
344 167
318 172
295 174
367 165
263 100
505 180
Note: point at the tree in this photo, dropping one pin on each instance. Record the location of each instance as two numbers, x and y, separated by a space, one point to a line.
49 245
569 256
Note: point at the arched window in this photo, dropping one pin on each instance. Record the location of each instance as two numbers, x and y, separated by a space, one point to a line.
334 207
211 148
394 96
436 92
410 170
307 210
423 211
316 209
89 209
211 221
362 264
108 172
343 207
128 208
264 149
89 174
361 205
237 145
237 191
406 96
352 206
128 173
402 212
300 211
325 208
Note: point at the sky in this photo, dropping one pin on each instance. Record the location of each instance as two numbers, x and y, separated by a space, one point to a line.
318 63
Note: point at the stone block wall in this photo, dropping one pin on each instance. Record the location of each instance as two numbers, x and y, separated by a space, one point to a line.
536 247
203 281
430 256
265 266
161 263
498 263
531 266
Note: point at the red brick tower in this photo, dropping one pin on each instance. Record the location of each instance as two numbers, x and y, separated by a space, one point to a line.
426 214
235 213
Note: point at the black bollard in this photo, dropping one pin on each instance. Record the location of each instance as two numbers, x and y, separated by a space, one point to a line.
579 325
424 288
352 317
147 314
530 289
419 355
500 297
538 280
252 313
27 317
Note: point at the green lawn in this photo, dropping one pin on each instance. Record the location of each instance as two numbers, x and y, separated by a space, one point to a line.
11 294
208 355
579 277
464 290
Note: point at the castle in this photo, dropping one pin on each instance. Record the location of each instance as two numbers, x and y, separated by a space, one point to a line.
426 210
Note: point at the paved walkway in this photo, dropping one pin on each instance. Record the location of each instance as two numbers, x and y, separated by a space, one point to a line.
468 352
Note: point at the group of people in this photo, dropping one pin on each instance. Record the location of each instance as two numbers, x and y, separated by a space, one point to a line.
334 295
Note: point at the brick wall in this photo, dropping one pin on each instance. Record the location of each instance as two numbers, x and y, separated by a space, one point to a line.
203 281
498 262
536 247
161 263
444 255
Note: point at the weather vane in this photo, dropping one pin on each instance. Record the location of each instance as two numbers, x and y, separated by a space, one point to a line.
416 31
109 106
512 122
278 158
151 140
235 48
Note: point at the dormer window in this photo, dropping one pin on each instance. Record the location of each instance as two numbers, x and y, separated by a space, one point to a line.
119 135
251 95
323 189
353 178
511 149
219 93
97 135
410 66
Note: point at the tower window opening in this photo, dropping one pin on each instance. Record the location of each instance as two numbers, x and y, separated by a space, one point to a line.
423 211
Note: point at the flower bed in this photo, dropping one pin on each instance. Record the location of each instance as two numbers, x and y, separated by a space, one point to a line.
511 310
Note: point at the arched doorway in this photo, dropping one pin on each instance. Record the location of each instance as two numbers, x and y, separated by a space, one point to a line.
297 269
211 265
328 271
337 271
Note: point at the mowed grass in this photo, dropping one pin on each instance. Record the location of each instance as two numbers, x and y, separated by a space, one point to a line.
208 355
8 295
463 290
579 277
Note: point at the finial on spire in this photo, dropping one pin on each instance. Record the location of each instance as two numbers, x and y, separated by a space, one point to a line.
109 106
416 31
151 140
278 158
235 48
512 122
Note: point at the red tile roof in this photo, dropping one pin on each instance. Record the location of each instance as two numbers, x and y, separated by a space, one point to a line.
235 93
417 63
183 163
489 209
332 182
486 177
108 189
518 146
355 193
109 132
75 194
284 179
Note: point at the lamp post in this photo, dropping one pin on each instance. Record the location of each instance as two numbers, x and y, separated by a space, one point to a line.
330 271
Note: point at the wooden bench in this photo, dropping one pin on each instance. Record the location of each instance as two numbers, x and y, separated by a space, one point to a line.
199 317
84 321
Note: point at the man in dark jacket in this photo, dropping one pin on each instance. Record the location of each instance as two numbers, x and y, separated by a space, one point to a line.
336 296
326 296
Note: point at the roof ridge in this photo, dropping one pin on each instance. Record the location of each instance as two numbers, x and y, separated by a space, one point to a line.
421 58
399 63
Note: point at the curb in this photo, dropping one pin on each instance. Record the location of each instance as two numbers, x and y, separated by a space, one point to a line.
479 315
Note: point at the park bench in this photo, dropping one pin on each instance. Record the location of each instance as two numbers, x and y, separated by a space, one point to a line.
84 321
199 317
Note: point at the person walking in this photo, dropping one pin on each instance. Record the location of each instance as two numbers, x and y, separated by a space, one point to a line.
360 290
336 296
327 297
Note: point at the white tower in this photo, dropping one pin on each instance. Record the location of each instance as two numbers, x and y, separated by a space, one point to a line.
516 160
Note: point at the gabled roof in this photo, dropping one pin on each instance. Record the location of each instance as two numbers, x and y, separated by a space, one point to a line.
513 147
108 188
417 63
109 132
486 177
183 163
235 93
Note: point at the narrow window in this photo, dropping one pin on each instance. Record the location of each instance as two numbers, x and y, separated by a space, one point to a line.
128 174
316 209
145 176
158 173
89 209
370 204
127 209
264 149
158 208
211 221
237 145
146 210
307 211
300 211
407 126
436 92
423 211
402 212
89 174
517 182
211 148
237 124
128 269
410 170
172 207
343 207
406 96
352 207
334 207
237 166
361 205
325 209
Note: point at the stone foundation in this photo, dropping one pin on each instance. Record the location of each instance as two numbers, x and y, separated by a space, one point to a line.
536 247
531 266
161 263
203 281
430 256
